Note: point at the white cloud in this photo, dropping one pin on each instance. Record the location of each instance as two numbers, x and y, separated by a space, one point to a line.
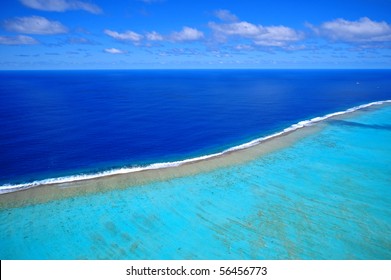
363 30
276 36
151 1
242 47
226 15
61 5
187 34
114 51
126 36
241 29
17 40
154 36
80 40
35 25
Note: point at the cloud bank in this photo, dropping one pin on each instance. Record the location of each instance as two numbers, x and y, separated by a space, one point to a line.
231 29
35 25
61 5
363 30
17 40
271 36
185 35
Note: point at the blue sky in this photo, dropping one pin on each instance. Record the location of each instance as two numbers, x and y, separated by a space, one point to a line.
173 34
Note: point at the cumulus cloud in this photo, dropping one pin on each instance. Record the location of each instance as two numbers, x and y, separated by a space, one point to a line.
187 34
35 25
114 51
226 15
154 36
363 30
275 36
61 5
241 29
17 40
126 36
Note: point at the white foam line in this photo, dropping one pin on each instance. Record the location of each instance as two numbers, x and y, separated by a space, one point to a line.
126 170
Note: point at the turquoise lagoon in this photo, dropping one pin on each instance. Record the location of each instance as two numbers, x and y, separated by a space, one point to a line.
326 196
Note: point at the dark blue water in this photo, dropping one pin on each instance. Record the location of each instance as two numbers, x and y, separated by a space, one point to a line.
69 122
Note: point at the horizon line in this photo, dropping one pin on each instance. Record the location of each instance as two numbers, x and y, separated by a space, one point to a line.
191 69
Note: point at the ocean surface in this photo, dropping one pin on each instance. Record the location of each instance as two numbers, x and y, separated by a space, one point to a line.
67 123
326 195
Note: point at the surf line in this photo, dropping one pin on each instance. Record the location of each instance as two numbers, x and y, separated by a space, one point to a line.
126 170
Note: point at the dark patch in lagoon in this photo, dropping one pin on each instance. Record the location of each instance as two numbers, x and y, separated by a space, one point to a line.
356 124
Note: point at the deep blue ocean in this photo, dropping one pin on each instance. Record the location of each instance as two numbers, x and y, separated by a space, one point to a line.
60 123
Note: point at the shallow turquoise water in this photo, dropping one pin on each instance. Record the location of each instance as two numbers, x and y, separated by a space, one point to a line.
326 197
